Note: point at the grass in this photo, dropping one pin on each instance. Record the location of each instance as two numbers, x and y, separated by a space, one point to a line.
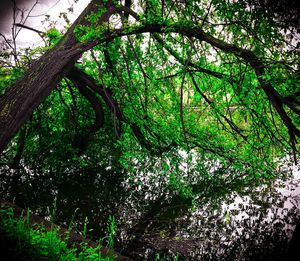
22 241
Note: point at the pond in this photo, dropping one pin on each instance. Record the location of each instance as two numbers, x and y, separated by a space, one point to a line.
153 221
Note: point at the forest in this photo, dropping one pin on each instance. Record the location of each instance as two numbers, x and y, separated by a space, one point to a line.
161 130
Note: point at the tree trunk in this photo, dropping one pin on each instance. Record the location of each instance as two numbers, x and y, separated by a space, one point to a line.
22 98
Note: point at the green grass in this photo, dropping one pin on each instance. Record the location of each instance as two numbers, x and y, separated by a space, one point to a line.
35 243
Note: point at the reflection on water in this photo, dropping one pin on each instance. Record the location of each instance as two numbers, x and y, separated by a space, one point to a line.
152 219
94 194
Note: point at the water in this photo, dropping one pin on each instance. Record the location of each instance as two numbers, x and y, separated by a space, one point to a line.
152 219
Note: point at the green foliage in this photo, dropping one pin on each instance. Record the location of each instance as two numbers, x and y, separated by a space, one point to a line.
178 185
42 244
53 36
8 76
206 124
226 119
111 229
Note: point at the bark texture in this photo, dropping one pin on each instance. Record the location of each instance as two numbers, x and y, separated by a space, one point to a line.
22 98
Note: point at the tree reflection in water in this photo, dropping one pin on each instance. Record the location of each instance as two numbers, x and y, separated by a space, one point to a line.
253 224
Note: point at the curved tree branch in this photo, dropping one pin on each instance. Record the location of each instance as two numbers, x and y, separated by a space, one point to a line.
83 88
16 105
112 104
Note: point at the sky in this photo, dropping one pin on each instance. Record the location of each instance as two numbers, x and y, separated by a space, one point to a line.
50 7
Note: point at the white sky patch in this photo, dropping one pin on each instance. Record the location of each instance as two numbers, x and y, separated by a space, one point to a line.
37 17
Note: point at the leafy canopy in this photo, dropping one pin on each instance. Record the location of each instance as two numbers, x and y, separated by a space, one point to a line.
209 88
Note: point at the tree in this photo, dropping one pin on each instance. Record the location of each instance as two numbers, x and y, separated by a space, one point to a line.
211 77
202 96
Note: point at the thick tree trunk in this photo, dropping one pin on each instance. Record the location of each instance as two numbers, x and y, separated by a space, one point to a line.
21 99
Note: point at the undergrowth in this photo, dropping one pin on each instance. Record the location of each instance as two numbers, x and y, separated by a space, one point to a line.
36 243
